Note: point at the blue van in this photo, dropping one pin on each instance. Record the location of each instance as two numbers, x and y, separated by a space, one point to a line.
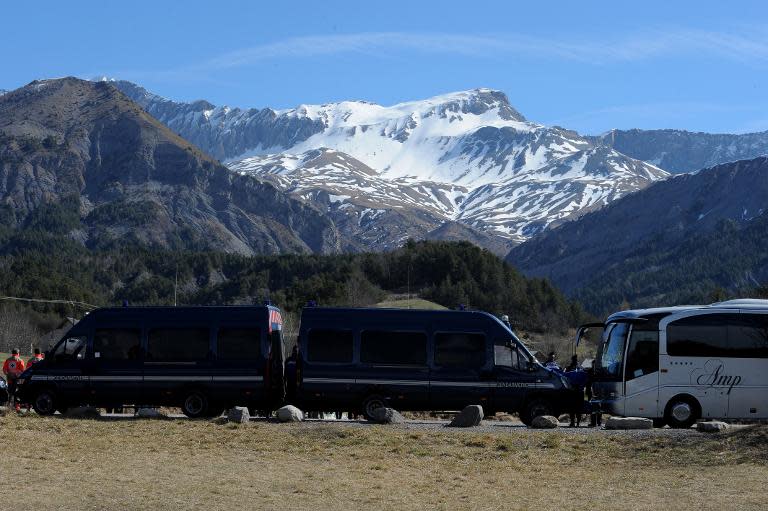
362 359
201 359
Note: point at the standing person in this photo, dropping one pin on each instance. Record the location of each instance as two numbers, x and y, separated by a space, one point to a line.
578 379
12 368
37 357
596 415
291 374
551 362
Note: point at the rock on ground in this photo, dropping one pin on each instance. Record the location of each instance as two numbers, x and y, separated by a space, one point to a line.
628 423
386 415
83 412
711 426
544 422
238 414
469 417
290 413
149 413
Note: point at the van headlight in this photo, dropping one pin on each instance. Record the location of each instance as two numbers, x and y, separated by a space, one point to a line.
3 384
566 383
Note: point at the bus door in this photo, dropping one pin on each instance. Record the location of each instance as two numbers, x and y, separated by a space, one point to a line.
744 373
513 377
641 373
68 370
462 372
116 367
177 361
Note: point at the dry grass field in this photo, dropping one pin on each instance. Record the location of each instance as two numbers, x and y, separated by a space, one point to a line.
57 463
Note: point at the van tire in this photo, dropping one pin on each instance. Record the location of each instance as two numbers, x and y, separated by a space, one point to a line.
371 403
195 405
682 412
535 408
44 402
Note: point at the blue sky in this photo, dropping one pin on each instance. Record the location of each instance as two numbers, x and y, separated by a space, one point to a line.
590 66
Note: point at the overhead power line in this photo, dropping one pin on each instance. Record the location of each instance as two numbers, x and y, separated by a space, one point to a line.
41 300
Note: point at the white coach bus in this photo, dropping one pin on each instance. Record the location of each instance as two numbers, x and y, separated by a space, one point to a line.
680 364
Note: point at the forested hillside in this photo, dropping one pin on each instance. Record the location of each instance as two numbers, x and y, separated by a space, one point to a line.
40 261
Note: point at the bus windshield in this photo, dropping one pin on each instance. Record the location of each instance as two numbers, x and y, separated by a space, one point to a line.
611 352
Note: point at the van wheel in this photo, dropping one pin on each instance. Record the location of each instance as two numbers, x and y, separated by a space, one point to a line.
682 412
535 408
45 402
195 405
372 403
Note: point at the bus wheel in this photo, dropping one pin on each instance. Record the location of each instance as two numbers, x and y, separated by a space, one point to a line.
195 405
682 412
533 409
45 402
372 403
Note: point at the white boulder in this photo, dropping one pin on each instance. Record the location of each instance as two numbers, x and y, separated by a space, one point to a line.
290 413
628 423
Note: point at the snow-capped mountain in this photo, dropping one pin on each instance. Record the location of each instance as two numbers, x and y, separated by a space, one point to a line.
466 157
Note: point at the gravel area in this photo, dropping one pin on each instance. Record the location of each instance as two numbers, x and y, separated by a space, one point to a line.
503 428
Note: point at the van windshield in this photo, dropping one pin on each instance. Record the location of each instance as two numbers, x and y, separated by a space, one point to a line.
610 354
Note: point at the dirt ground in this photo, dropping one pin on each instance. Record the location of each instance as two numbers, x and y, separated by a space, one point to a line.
60 463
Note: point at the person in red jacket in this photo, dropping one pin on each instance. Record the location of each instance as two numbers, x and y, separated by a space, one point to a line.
36 358
12 368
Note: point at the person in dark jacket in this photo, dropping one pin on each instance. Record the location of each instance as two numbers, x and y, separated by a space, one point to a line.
291 374
578 379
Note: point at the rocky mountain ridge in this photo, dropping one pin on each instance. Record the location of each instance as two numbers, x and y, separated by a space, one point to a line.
467 157
134 179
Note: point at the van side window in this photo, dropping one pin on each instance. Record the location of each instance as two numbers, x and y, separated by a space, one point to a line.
238 344
459 349
177 344
393 348
73 348
332 346
117 343
508 356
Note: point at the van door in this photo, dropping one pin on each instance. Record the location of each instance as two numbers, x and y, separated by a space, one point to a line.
641 374
512 375
394 364
461 373
238 369
117 365
177 363
67 370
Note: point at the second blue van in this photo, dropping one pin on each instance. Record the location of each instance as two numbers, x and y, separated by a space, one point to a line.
362 359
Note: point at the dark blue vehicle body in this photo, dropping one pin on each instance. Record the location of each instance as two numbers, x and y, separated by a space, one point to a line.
360 359
199 358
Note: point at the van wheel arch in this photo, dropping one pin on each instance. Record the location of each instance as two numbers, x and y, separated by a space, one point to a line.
674 411
45 400
195 402
536 405
371 402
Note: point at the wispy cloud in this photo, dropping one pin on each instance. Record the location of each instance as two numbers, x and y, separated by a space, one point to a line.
749 45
